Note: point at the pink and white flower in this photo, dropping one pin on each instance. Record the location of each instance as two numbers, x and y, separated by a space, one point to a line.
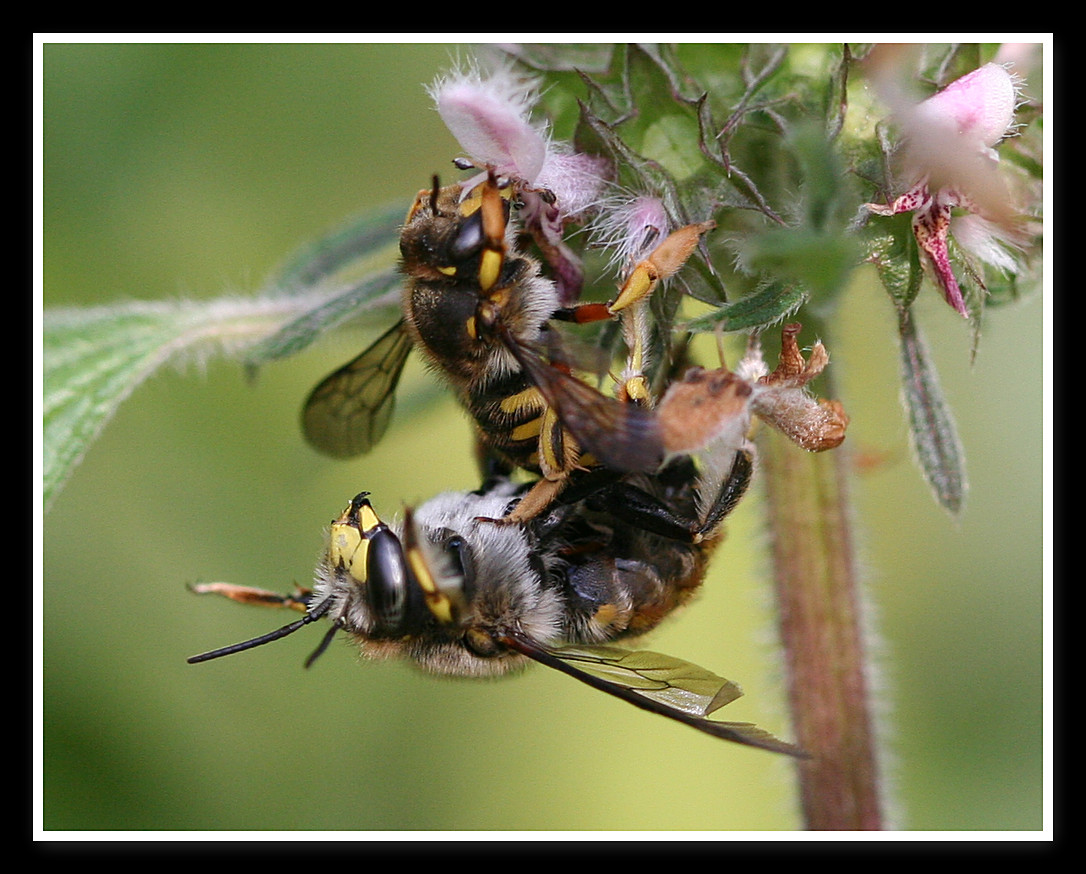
491 117
950 158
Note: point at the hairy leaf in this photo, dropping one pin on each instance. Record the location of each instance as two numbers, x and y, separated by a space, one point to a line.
931 425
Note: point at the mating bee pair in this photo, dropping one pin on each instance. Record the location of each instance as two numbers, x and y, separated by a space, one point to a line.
615 533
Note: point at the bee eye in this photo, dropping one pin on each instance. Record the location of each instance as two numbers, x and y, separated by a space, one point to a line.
387 583
469 238
461 559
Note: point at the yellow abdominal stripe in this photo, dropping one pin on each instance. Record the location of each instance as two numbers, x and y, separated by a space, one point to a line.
529 400
528 430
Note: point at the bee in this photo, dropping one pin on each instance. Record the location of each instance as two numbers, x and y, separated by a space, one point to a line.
481 311
609 559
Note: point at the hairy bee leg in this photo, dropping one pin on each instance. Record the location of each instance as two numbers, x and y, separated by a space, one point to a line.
663 262
540 496
250 595
633 386
583 314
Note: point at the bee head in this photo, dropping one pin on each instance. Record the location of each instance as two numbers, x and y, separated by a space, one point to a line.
392 588
442 588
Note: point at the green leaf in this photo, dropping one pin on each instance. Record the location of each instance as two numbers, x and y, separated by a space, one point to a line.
359 238
896 258
297 334
763 308
94 358
931 425
823 262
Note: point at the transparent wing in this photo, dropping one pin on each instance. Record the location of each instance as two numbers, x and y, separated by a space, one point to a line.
348 412
621 436
661 684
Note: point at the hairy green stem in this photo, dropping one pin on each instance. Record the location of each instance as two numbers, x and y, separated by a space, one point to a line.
821 633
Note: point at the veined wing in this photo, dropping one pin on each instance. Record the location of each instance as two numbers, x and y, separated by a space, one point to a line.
349 410
657 683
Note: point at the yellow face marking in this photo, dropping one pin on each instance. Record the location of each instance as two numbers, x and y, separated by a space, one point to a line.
347 549
469 326
367 519
348 543
472 202
422 197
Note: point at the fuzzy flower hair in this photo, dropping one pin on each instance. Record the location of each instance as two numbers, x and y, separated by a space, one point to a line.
628 227
491 117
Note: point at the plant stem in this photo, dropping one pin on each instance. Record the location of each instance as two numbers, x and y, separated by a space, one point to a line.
821 633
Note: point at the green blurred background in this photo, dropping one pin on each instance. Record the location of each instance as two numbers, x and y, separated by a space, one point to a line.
193 170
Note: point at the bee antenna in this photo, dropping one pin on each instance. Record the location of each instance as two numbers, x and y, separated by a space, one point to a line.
312 616
327 639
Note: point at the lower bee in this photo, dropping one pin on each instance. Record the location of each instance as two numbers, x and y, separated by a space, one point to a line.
609 559
480 310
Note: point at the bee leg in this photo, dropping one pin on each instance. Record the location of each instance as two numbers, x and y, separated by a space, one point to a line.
540 496
647 512
633 387
492 212
249 595
643 511
663 262
583 314
559 456
731 491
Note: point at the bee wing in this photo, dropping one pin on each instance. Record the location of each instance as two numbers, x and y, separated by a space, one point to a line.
657 683
348 412
621 436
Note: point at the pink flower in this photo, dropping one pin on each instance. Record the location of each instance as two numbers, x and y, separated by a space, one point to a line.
629 227
949 156
490 116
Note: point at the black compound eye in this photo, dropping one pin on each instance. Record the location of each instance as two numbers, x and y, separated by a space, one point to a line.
461 558
387 583
469 238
